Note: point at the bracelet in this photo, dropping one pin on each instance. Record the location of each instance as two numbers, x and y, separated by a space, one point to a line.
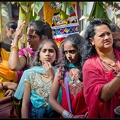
66 114
14 48
2 86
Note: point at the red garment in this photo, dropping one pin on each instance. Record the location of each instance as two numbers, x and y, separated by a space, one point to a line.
76 97
93 85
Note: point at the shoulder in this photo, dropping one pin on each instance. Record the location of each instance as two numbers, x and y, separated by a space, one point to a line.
24 51
92 61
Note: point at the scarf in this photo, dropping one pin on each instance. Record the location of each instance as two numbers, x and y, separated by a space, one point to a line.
20 89
73 65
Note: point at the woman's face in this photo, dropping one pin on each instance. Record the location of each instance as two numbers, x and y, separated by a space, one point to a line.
9 33
71 53
103 38
33 39
47 53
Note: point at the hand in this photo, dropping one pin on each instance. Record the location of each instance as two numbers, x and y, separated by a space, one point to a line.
49 70
10 85
19 30
9 92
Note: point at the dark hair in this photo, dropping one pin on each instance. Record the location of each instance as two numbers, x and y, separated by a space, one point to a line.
36 60
88 49
77 42
12 24
114 28
41 28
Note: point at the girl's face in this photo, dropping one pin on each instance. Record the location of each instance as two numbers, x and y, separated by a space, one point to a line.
71 53
47 53
103 38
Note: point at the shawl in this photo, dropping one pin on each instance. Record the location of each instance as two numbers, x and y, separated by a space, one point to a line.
93 85
20 89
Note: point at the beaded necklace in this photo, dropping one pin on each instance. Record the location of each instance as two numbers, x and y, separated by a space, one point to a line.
112 65
108 64
74 75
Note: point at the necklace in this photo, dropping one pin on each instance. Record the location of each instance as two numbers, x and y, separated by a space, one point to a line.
108 64
115 71
74 76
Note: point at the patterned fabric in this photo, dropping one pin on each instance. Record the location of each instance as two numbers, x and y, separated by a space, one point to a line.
20 89
40 90
51 14
61 32
77 100
60 28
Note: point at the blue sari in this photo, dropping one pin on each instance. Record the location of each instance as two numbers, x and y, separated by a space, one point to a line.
20 90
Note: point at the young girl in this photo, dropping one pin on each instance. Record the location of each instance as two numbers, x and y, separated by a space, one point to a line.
71 63
38 81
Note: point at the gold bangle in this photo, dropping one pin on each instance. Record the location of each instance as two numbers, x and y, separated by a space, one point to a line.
14 48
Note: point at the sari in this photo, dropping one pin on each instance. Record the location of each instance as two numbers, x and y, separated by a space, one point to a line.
34 100
77 100
6 74
28 54
20 89
93 86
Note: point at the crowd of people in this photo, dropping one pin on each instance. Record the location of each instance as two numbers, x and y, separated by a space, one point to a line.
79 79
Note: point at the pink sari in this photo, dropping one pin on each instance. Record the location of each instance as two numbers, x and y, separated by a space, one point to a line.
92 88
29 54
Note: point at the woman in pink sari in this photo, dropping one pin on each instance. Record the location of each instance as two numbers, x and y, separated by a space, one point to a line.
37 31
101 70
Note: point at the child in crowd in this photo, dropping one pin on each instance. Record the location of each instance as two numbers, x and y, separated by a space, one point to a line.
70 68
39 80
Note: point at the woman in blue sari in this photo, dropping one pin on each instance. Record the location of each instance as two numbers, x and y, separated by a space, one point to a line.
38 82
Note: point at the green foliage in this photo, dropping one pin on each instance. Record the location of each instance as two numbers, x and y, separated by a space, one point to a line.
99 11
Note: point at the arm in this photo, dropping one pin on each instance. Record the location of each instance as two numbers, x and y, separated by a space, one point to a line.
110 88
25 101
15 61
10 88
54 94
98 83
